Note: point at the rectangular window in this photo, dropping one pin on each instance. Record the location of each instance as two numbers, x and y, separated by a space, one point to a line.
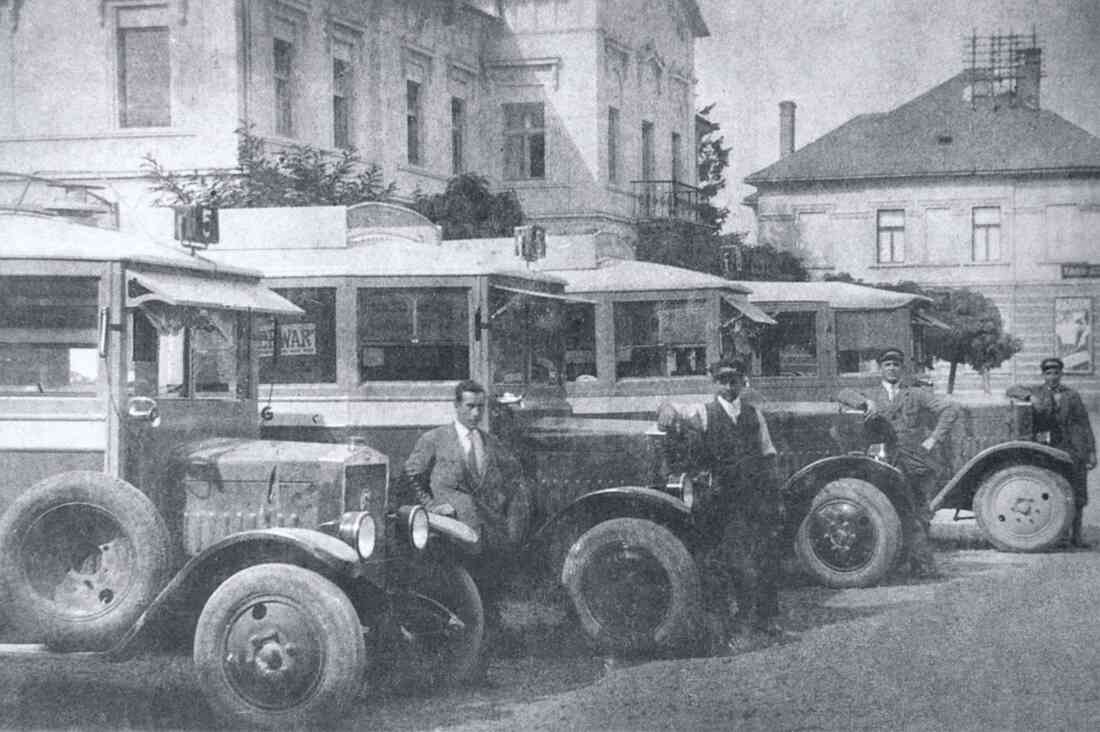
412 122
144 77
663 338
891 236
413 335
49 334
525 344
790 348
458 135
861 335
181 352
580 342
305 350
284 87
677 157
649 164
986 243
341 103
524 141
612 145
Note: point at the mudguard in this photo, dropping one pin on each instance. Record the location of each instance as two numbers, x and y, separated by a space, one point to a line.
186 593
620 502
959 491
799 489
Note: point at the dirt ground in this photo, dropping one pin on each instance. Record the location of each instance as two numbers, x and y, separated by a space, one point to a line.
548 657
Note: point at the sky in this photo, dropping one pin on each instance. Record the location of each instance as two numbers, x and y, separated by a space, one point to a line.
836 59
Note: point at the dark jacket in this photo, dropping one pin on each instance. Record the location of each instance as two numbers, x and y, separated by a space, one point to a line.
1062 413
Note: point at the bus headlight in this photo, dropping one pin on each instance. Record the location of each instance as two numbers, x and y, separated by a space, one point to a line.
414 519
418 527
358 530
682 486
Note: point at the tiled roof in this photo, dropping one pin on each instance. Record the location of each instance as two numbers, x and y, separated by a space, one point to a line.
941 133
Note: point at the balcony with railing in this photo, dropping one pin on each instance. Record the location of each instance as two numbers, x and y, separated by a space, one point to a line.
663 200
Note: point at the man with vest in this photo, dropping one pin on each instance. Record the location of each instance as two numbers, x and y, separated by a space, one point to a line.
909 409
740 517
1061 420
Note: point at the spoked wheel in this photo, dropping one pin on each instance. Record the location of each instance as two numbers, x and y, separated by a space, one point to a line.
81 554
442 623
279 646
1024 508
634 586
851 535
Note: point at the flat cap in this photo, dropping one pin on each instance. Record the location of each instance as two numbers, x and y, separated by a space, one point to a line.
728 365
891 354
1052 362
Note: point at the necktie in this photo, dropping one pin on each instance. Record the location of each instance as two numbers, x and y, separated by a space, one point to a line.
476 456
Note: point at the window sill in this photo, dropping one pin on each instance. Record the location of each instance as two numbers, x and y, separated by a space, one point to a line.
110 134
529 184
421 171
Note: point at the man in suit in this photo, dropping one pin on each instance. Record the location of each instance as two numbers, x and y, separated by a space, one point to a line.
1062 421
461 470
741 517
909 409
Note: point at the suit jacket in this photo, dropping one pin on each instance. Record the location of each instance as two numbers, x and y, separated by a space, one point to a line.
496 504
1063 414
916 414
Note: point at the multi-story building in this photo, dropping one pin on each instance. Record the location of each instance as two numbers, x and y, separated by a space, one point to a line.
570 103
971 184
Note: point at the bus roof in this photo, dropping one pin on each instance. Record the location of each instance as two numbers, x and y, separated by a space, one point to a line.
38 236
838 295
374 257
630 275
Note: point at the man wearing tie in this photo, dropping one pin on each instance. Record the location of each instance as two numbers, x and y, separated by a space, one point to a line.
459 469
909 409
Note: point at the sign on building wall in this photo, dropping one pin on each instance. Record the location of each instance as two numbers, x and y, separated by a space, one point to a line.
1073 333
1080 270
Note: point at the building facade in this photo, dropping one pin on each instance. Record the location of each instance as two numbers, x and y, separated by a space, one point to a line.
969 185
570 103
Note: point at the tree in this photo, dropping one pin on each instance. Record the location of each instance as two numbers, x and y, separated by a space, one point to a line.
300 175
712 159
467 209
975 334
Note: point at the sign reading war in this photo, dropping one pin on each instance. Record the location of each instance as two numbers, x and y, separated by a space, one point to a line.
295 339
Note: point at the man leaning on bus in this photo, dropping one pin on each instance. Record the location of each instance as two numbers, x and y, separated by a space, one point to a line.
458 468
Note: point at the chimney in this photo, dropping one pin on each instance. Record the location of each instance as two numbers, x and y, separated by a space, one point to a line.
1027 81
786 128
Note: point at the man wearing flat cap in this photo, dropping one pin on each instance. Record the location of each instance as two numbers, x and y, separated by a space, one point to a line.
1061 420
741 516
909 409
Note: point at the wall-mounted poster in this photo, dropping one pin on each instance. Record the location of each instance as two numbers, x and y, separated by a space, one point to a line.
1073 333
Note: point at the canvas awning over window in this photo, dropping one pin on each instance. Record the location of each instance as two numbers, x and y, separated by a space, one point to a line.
749 310
859 330
190 291
550 295
922 318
